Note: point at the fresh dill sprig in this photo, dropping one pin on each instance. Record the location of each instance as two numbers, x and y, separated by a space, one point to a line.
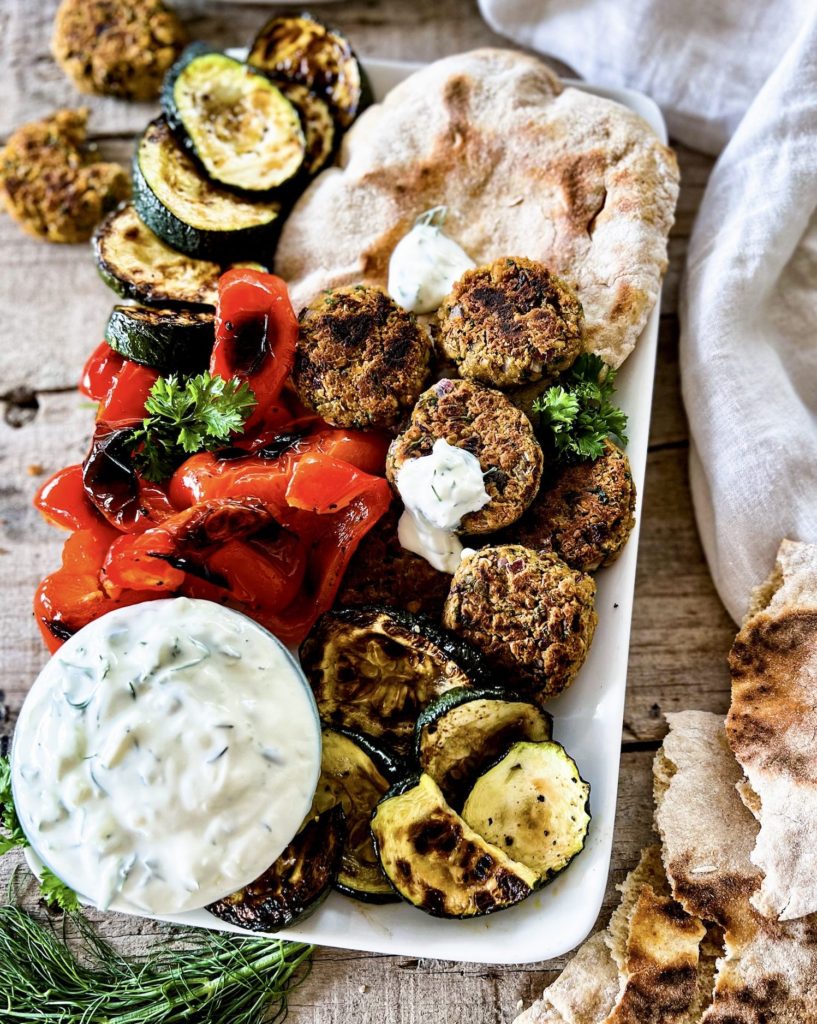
185 416
577 414
197 976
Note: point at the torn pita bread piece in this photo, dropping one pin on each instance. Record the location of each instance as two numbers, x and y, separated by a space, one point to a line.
523 166
772 725
768 973
643 970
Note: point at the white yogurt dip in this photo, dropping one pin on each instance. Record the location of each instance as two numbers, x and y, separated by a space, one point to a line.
165 756
437 491
425 265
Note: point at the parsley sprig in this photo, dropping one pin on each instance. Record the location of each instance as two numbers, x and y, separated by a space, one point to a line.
54 891
578 414
185 416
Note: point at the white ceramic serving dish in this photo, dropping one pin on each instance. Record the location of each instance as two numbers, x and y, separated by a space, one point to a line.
587 720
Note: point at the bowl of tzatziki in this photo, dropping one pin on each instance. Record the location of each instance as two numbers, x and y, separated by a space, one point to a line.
165 756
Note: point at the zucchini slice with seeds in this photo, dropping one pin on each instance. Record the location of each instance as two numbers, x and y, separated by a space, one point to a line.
320 132
355 774
462 732
168 340
242 128
138 265
437 862
295 885
374 669
534 804
180 204
302 49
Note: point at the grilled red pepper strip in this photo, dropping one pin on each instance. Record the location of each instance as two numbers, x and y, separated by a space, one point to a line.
99 372
75 594
62 501
126 397
256 332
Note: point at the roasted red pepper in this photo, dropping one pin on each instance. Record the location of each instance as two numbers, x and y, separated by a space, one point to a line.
75 594
99 372
256 332
63 502
126 397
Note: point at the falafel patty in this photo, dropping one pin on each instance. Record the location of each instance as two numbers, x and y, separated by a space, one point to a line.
527 611
485 423
511 322
361 360
583 512
117 48
383 572
49 185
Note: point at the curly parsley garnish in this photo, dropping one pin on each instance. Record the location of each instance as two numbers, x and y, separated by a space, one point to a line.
577 413
186 416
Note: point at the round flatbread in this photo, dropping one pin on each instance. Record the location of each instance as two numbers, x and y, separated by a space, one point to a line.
524 167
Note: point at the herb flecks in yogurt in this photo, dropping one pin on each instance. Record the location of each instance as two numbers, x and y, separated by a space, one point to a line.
437 491
425 264
141 762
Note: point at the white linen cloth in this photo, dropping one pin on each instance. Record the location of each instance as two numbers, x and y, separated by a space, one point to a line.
739 73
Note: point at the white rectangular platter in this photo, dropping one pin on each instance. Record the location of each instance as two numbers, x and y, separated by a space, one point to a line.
587 720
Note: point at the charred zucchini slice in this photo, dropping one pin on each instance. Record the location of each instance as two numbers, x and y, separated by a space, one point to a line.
167 340
241 127
462 732
138 265
183 207
374 669
302 49
296 884
535 805
436 862
355 774
318 124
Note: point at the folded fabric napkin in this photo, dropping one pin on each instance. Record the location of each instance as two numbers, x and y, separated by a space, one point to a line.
740 74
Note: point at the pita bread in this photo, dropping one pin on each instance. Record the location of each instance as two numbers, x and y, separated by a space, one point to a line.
768 970
524 166
642 970
771 726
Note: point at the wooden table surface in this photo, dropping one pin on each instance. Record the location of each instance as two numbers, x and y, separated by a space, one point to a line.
53 310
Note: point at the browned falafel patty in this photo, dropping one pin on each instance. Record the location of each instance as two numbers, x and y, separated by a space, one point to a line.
511 322
485 423
117 47
49 184
527 611
361 359
383 572
583 512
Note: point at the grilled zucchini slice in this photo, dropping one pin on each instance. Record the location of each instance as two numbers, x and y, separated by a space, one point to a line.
320 131
535 805
436 862
301 49
373 669
355 774
242 128
462 732
296 884
183 207
167 340
138 265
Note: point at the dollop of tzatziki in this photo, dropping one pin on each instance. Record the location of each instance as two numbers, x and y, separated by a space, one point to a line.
165 756
437 491
425 264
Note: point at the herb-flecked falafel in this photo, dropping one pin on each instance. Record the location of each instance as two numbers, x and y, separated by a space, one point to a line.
511 323
485 423
583 512
528 612
361 360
